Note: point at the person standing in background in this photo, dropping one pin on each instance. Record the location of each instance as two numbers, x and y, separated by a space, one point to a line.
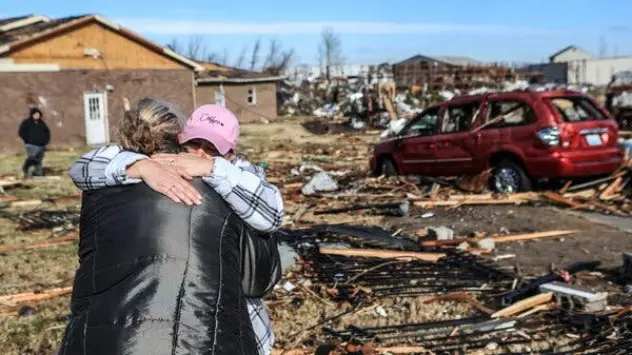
36 136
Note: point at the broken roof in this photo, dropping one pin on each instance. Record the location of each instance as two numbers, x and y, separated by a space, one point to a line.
33 29
234 75
38 27
4 21
445 59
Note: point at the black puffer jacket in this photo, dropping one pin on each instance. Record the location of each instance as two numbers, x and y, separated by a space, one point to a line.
156 277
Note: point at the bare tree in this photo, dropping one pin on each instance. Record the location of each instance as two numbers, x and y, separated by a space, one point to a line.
225 57
212 57
277 60
254 58
330 49
273 54
175 45
196 49
239 63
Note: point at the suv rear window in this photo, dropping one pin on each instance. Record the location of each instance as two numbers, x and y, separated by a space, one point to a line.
576 109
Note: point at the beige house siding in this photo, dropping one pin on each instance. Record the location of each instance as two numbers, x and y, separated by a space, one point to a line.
596 71
236 98
572 54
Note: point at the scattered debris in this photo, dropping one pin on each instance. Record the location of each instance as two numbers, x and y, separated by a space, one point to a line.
440 233
576 298
487 244
321 182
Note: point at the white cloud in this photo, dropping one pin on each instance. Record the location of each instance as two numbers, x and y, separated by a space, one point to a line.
187 27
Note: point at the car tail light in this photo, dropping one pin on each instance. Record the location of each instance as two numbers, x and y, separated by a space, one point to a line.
550 136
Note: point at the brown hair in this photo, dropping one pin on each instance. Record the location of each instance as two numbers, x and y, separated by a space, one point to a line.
152 126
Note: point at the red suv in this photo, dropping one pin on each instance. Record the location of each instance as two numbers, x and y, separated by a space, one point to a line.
524 136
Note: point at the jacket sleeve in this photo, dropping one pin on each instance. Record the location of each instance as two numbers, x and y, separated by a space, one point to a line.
260 263
46 134
257 202
105 166
22 132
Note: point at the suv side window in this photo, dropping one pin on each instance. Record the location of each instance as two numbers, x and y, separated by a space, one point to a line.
459 118
508 113
425 124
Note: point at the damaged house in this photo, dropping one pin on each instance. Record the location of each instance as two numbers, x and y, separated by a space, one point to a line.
252 96
79 69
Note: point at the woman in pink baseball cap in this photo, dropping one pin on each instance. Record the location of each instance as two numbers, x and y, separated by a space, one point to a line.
208 142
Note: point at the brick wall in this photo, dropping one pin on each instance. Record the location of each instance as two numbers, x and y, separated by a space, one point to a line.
60 97
237 100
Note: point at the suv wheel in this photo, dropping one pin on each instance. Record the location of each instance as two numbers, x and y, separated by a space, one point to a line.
387 167
509 177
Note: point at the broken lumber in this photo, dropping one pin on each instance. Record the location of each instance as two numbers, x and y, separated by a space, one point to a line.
26 203
9 183
555 197
471 201
524 305
501 239
402 350
40 244
530 236
21 298
382 254
596 182
609 191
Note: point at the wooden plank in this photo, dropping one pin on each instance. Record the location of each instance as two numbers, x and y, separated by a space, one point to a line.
524 305
611 189
20 298
531 236
26 203
292 352
448 203
582 194
40 244
501 239
382 254
555 197
566 186
9 183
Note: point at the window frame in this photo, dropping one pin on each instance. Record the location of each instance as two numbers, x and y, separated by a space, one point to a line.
406 131
446 112
251 96
529 116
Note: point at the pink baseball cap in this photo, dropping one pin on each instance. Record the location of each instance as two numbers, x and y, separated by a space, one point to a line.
215 124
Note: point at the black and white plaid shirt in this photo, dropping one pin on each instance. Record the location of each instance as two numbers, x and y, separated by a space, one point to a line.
240 183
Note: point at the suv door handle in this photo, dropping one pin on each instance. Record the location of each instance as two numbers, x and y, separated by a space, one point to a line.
432 145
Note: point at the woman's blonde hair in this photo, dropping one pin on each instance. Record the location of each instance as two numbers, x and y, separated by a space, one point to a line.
152 126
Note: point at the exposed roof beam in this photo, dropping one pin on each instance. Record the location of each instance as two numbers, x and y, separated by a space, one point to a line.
24 22
239 80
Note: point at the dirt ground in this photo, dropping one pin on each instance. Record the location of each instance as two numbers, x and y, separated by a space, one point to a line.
40 269
592 242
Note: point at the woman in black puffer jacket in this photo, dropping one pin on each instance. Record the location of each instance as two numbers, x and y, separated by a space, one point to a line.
157 277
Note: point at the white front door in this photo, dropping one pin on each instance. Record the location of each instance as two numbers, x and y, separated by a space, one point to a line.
94 105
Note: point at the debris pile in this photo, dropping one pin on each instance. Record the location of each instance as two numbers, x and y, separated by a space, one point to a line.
375 277
43 219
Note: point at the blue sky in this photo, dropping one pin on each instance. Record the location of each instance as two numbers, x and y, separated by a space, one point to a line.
372 31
